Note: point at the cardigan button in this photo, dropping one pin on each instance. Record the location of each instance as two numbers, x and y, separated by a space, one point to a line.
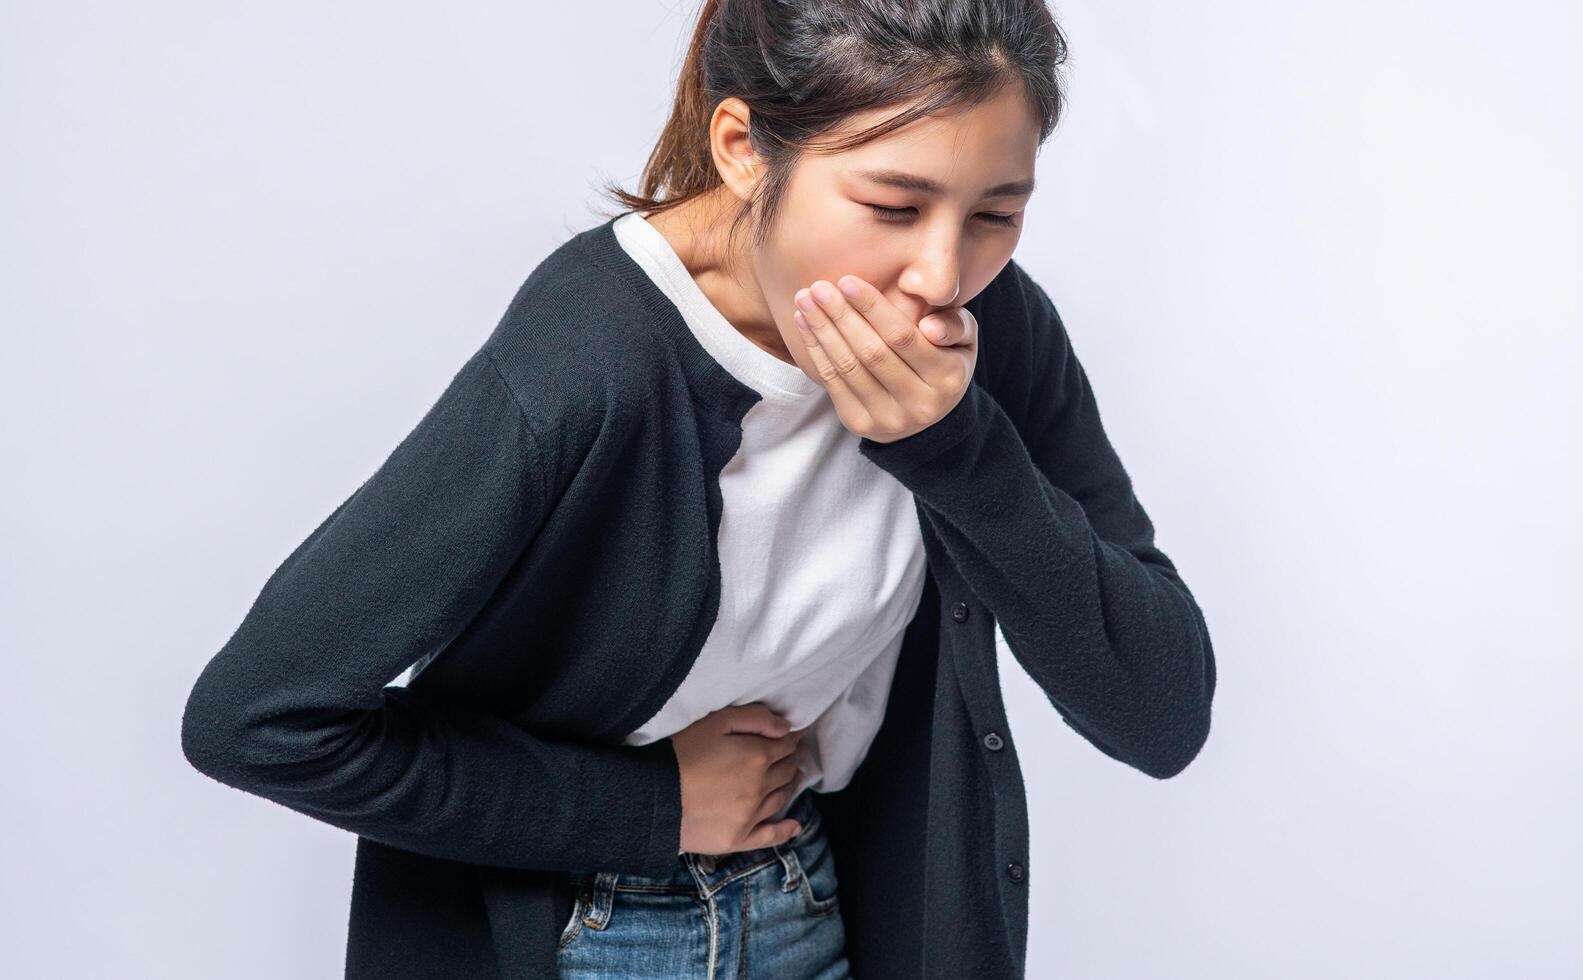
1014 871
993 742
959 612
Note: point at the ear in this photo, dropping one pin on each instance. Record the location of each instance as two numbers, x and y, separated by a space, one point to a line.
732 150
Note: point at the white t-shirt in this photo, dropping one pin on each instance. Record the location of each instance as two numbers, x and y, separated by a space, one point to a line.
821 555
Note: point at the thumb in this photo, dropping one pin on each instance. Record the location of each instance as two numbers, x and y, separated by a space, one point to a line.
942 327
772 832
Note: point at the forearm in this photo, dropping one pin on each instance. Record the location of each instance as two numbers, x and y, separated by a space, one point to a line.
1105 627
439 780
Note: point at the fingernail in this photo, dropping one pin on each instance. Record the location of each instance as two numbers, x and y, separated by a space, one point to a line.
933 329
823 292
850 287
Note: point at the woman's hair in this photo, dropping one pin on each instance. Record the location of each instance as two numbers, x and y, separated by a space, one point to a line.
802 66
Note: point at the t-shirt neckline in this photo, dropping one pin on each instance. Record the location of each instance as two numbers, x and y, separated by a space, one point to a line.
771 377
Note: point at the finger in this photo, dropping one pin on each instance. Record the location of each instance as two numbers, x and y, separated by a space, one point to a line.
834 385
873 371
845 377
754 718
904 337
932 364
967 336
782 769
877 379
786 746
768 834
950 328
776 800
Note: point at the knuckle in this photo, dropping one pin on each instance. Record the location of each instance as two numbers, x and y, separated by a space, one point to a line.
892 421
902 340
872 355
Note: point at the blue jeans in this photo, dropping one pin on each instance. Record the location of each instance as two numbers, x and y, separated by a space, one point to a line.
769 913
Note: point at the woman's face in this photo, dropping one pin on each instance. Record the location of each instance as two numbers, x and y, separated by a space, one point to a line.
936 248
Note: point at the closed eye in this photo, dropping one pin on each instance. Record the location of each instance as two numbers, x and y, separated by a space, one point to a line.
899 215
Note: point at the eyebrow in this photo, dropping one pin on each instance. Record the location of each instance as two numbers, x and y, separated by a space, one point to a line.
923 185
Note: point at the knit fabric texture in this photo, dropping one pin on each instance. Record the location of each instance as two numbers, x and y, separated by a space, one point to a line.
543 542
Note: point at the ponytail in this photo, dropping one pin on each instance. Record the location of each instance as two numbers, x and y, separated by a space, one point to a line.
681 165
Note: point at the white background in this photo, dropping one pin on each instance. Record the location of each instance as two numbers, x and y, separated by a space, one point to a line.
1321 262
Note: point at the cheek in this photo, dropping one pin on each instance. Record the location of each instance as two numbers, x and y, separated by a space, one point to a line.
854 250
875 261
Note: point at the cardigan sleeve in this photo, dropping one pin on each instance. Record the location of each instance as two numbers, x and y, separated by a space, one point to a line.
296 707
1043 524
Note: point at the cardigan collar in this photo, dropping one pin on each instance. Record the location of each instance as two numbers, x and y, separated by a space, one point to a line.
707 377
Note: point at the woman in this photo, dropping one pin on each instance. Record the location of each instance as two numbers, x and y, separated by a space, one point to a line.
698 561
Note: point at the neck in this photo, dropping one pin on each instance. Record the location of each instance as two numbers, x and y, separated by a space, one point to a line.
724 271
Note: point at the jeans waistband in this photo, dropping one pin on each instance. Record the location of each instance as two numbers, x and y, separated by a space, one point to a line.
802 809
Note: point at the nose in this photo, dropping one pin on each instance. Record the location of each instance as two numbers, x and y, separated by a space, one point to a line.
934 274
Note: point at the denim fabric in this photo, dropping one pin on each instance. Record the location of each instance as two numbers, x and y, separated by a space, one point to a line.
771 913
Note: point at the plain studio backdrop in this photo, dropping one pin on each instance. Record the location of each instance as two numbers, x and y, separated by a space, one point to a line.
1321 262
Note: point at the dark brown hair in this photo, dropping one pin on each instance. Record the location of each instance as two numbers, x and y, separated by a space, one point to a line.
802 66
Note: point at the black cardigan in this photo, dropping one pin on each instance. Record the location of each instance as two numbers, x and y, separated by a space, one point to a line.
543 542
